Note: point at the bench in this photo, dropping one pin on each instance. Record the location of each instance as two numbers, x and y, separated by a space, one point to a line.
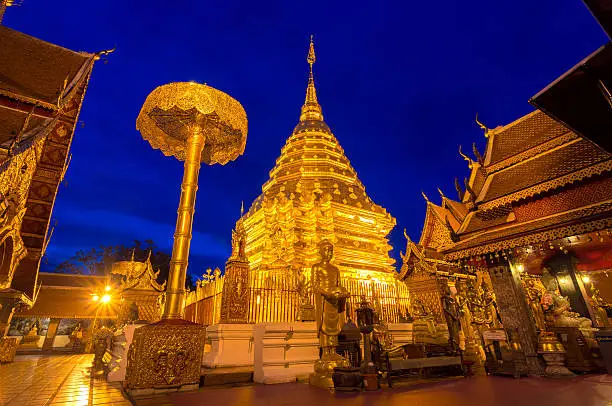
424 360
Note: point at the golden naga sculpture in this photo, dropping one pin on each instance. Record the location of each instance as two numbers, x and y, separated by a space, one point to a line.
330 302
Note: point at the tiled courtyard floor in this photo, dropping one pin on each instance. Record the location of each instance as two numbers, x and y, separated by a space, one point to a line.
65 380
482 391
60 380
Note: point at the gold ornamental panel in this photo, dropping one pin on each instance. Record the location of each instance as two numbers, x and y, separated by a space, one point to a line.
167 354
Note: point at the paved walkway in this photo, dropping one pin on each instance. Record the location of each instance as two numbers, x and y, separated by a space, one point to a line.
40 380
482 391
60 380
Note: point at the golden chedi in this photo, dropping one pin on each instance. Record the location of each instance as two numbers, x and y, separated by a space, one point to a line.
314 194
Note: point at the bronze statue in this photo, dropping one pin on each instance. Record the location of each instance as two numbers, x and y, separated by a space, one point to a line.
330 298
490 305
330 302
451 313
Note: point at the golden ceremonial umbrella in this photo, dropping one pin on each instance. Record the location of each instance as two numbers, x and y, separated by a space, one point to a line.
194 123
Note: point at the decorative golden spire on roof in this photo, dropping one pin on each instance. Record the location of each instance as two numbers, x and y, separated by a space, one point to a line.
4 4
311 110
484 127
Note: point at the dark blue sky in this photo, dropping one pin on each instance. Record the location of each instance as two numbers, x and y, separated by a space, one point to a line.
400 83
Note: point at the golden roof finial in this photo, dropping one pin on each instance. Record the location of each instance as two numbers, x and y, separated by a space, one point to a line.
467 158
311 58
484 127
311 110
425 196
241 208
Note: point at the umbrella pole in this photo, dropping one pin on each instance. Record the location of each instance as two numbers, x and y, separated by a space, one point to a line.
174 307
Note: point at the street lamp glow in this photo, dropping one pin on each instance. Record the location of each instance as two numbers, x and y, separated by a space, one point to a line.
106 298
107 288
95 298
586 279
520 267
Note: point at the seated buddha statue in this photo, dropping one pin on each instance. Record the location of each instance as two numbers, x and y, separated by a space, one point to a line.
557 308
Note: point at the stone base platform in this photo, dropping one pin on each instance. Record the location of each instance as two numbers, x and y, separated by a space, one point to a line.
231 345
284 352
226 376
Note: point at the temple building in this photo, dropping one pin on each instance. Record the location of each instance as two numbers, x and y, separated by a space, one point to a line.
42 86
533 214
66 303
314 194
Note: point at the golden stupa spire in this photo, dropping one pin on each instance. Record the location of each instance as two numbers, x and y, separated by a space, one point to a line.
311 110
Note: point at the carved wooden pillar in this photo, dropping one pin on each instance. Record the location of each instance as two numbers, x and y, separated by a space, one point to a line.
514 312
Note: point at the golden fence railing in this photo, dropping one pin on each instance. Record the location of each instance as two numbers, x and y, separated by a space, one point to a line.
275 297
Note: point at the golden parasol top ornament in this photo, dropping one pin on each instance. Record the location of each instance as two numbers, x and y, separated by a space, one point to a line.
172 111
194 123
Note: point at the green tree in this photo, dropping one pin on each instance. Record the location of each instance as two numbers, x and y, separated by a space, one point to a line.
99 261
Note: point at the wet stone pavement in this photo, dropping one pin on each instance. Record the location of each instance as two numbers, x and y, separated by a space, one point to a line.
65 380
60 380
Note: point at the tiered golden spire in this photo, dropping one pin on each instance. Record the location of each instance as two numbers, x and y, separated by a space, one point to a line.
311 110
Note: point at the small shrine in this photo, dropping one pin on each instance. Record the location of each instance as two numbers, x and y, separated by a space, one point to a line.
141 293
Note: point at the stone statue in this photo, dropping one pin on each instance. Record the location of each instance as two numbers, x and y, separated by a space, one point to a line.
330 302
451 314
557 308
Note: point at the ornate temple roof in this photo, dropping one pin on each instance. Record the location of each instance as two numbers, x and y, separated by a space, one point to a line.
41 91
25 66
68 296
529 161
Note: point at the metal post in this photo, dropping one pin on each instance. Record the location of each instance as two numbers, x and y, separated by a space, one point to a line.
174 307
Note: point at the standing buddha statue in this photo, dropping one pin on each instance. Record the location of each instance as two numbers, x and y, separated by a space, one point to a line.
451 313
599 305
535 291
330 302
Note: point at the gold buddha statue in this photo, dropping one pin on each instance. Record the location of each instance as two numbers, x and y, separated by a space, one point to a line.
330 302
599 305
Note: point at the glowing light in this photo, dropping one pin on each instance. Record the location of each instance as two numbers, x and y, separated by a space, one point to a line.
95 298
586 279
520 267
105 298
107 288
258 299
